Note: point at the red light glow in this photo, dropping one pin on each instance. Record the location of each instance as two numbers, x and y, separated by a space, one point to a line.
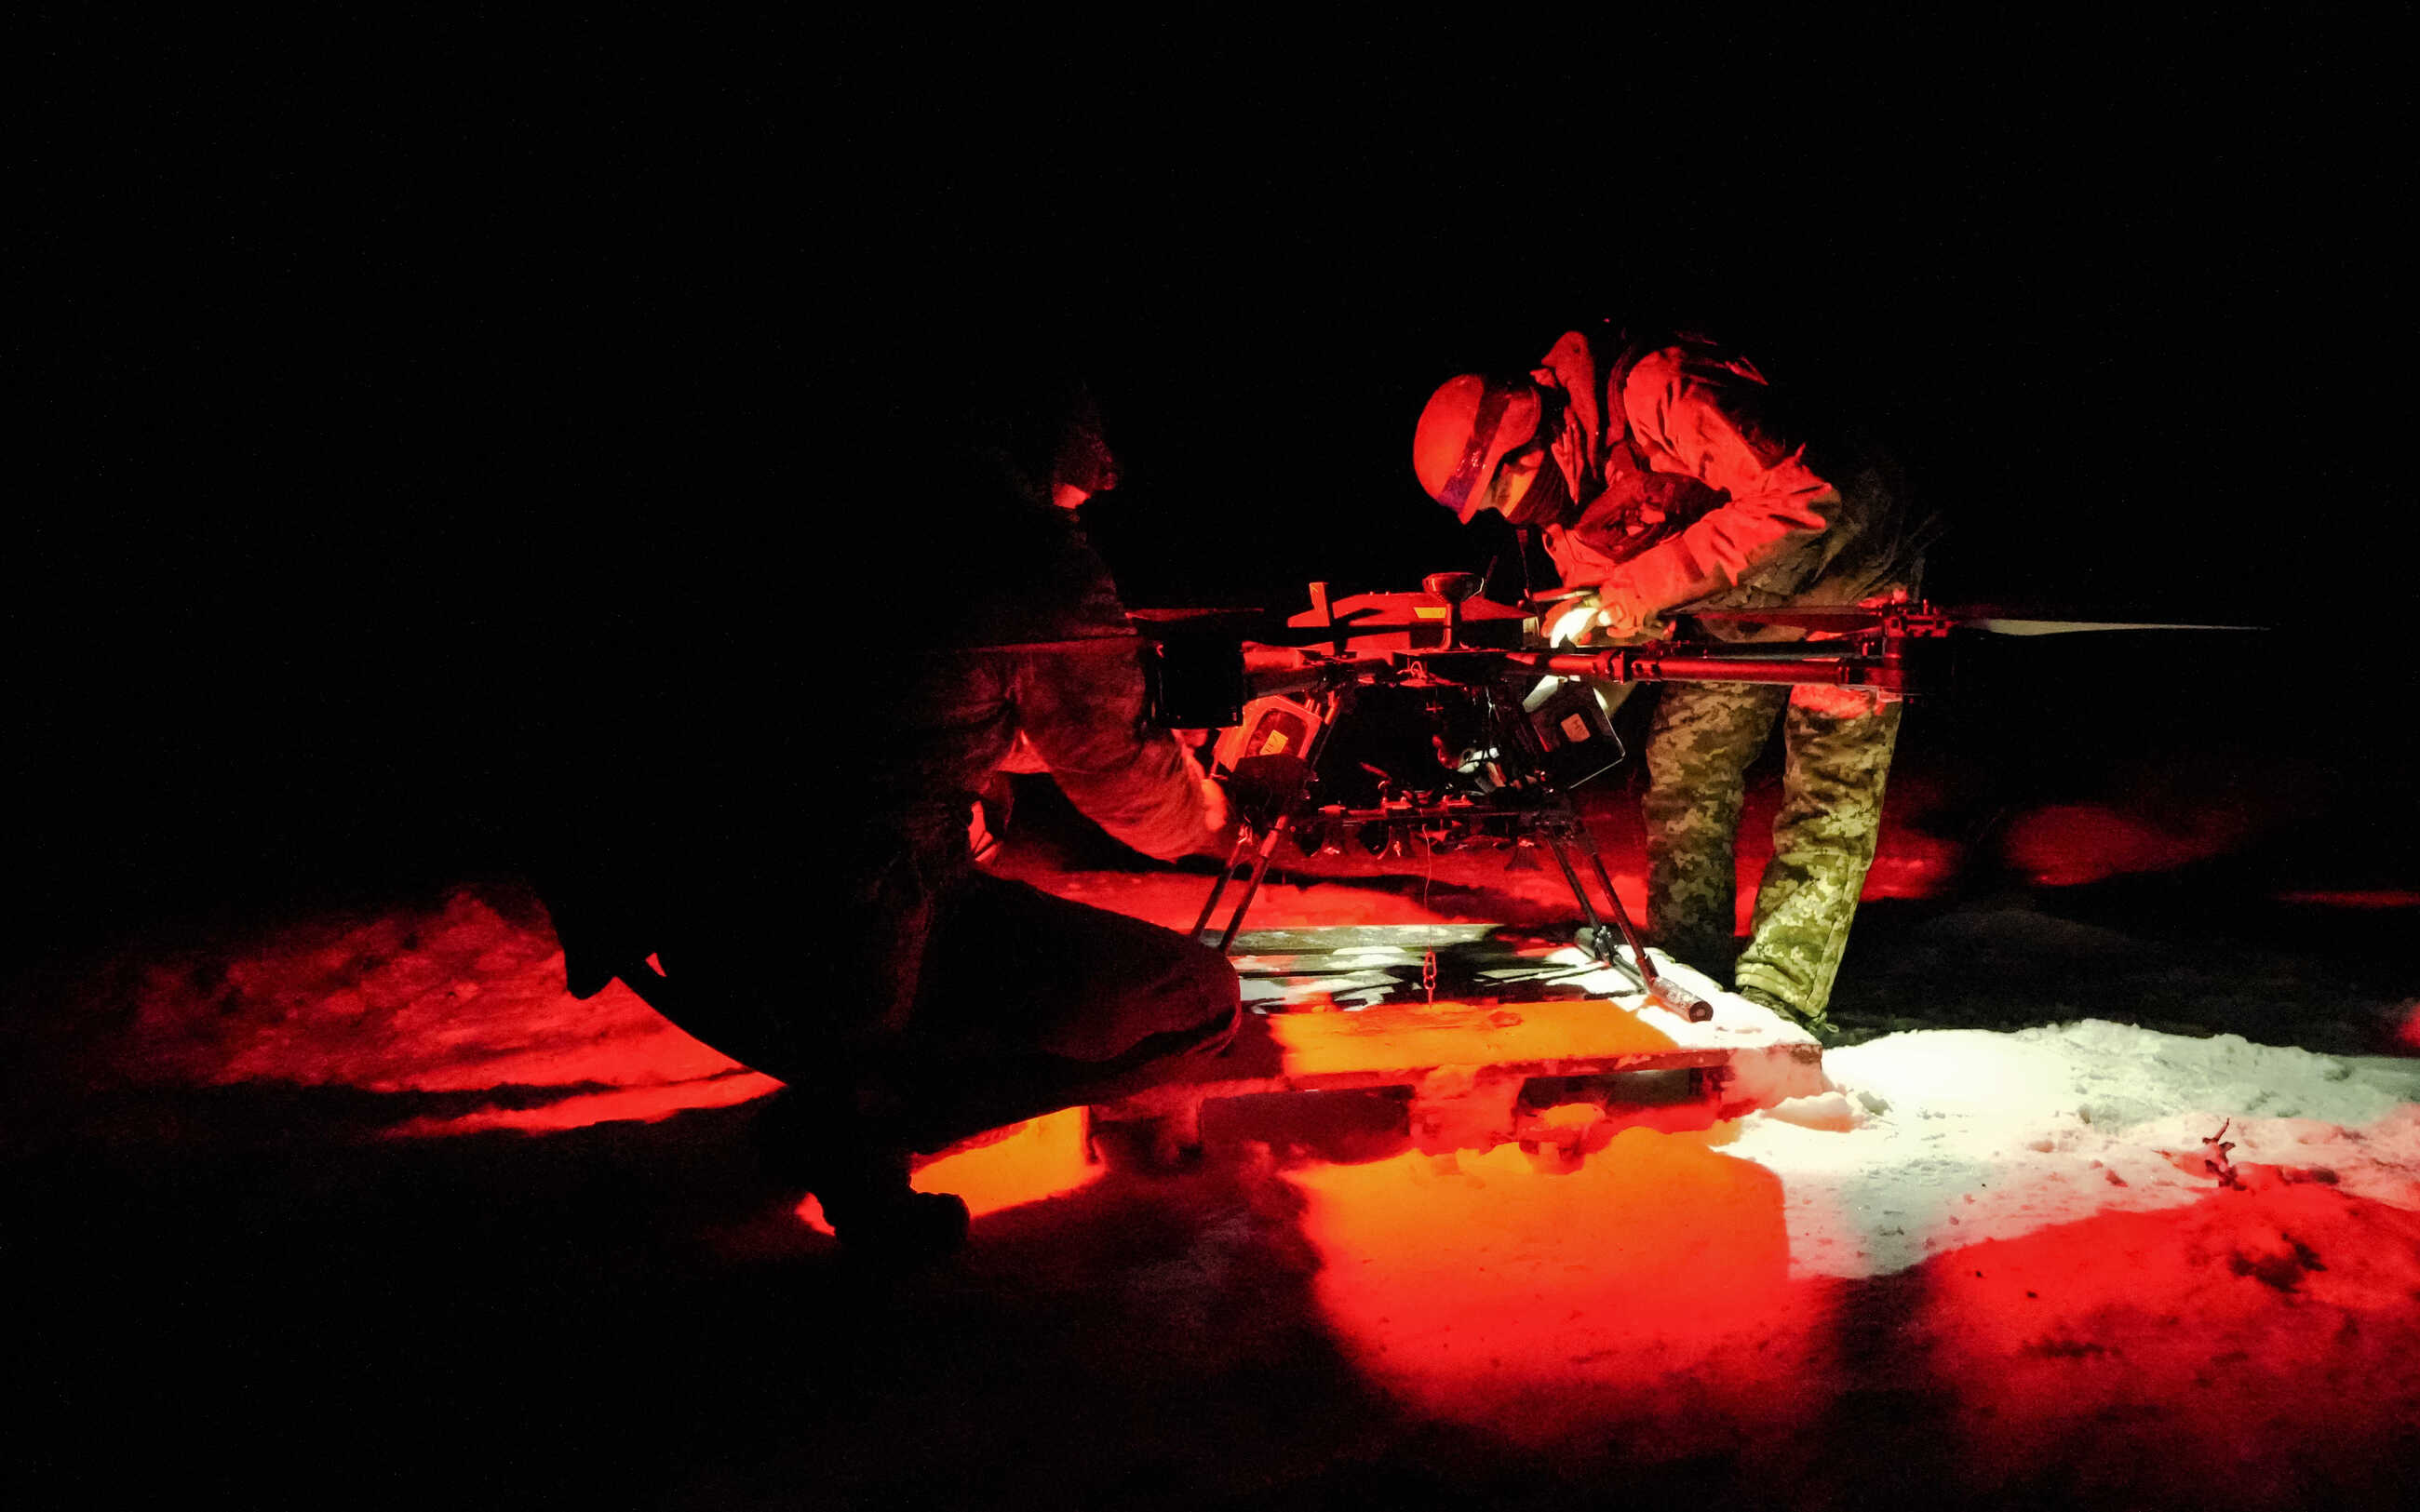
2373 897
1457 1034
643 1104
2154 1351
1487 1289
1029 1161
459 1001
2069 845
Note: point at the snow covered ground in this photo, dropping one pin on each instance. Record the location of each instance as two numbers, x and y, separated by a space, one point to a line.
330 1208
1938 1139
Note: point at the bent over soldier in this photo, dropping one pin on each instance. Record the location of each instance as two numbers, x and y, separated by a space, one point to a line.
1662 477
763 831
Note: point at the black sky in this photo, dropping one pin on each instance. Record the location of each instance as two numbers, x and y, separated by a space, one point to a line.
357 353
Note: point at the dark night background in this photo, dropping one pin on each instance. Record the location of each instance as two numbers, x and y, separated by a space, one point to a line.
368 369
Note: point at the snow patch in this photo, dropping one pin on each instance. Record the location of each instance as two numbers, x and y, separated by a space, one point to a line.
1824 1110
1959 1135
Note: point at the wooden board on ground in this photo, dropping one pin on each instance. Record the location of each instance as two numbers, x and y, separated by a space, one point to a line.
1350 1008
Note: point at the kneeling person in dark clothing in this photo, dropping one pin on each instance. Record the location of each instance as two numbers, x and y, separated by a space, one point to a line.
806 884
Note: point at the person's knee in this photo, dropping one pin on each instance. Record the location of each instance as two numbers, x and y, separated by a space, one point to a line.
1204 977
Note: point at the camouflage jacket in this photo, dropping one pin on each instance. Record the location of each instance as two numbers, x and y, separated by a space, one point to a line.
1689 488
1070 680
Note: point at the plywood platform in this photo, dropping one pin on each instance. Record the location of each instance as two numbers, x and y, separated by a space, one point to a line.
1518 1022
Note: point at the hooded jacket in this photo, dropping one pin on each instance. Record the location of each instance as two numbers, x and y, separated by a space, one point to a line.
1689 489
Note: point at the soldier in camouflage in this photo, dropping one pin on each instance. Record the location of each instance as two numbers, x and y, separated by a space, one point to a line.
1661 478
769 844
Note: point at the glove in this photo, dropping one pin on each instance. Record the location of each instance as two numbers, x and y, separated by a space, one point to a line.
1216 817
1621 617
1572 622
1598 619
1633 597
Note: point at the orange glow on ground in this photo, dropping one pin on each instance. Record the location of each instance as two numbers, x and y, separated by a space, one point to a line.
1038 1159
1644 1294
1460 1034
1569 1116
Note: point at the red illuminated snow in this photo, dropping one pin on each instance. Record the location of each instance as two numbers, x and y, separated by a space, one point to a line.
2018 1131
2185 1352
2069 1275
458 1000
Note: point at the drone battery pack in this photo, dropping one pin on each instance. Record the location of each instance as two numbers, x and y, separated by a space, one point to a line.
1265 758
1576 739
1270 726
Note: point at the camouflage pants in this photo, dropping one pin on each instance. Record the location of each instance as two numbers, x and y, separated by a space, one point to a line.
1698 748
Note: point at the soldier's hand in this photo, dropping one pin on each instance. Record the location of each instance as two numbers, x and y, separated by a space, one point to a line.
1604 617
1618 626
1218 814
1570 620
1621 615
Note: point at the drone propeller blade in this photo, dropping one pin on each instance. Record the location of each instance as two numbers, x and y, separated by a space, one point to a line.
1993 620
2012 626
1824 617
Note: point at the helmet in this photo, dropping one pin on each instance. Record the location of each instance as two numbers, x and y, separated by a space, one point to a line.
1471 425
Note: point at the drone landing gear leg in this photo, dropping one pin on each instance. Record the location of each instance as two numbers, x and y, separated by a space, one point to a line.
1297 797
1268 848
1669 994
1218 889
1558 848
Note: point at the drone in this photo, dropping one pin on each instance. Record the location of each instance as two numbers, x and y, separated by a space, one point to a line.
1512 726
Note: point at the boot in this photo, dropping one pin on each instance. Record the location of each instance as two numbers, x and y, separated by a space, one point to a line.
1815 1024
860 1180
